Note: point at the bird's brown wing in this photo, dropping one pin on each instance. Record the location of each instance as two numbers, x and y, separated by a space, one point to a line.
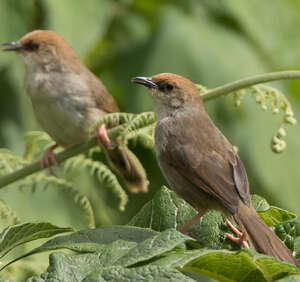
214 168
102 97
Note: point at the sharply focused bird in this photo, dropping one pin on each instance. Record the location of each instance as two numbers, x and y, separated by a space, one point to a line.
68 98
201 165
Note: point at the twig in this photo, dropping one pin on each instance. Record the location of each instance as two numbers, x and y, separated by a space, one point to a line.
60 157
211 94
249 81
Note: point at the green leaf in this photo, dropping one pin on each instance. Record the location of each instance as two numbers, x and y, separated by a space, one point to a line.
121 249
112 250
291 278
90 239
275 215
146 273
270 214
286 232
167 210
64 267
152 247
297 247
259 203
16 235
247 266
86 267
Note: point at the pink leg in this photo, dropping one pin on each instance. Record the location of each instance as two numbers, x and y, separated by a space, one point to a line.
189 223
102 137
48 158
242 236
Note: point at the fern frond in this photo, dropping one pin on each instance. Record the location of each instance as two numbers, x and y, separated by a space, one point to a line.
111 120
93 150
36 141
143 123
143 136
103 173
7 215
10 162
267 96
44 181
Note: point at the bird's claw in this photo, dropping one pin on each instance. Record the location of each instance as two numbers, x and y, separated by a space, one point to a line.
241 238
48 159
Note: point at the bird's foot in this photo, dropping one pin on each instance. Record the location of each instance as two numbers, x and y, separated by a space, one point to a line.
102 137
48 159
241 238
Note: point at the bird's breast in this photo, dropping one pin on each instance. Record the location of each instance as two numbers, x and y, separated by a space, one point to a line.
62 105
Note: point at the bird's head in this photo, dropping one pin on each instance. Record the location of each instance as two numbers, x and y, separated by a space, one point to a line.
171 90
42 47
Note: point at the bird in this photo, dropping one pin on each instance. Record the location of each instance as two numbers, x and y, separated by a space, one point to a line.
67 99
201 165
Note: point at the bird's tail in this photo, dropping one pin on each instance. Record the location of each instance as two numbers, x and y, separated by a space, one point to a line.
130 168
262 238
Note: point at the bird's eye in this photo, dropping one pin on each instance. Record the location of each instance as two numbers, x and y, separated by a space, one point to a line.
169 86
31 46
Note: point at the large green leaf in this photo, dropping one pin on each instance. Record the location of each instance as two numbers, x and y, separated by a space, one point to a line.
92 240
167 210
270 214
160 254
86 268
240 266
13 236
152 247
146 273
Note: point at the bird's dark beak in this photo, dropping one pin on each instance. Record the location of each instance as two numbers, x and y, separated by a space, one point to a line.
146 81
14 46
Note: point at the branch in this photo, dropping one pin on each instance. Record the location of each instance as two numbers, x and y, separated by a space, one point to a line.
211 94
249 81
60 157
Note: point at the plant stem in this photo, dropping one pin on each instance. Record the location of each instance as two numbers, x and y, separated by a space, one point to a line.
211 94
60 157
249 81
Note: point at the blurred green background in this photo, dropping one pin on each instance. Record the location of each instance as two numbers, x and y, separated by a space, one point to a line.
211 42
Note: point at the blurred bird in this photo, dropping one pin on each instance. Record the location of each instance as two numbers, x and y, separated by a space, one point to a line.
201 165
67 99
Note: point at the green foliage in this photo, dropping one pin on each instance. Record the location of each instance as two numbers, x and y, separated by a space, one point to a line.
7 216
111 252
142 124
167 210
41 181
36 141
211 42
112 120
165 205
45 181
103 173
16 235
269 96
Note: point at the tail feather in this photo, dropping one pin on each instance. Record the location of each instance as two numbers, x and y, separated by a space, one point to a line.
130 168
261 237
